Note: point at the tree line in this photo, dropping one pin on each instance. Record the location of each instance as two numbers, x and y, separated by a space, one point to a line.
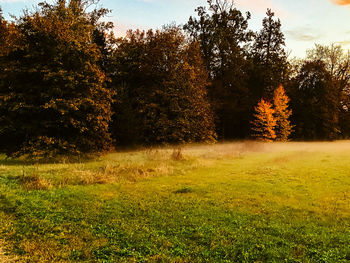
69 86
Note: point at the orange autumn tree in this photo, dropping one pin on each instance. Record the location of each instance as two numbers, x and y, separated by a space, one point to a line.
282 114
264 124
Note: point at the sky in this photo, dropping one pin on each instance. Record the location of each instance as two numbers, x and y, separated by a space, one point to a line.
304 22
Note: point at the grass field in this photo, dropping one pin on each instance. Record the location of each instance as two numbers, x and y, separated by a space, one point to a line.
234 202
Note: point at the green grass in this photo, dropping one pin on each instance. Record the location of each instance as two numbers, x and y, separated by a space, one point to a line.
239 202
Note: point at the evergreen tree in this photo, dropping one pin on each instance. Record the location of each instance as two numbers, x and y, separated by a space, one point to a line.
264 124
223 34
53 94
269 59
282 114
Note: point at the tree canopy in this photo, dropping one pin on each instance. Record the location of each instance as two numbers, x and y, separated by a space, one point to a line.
315 101
223 34
53 97
161 81
69 86
268 57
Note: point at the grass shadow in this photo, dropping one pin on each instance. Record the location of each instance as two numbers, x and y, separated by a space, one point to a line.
11 161
8 161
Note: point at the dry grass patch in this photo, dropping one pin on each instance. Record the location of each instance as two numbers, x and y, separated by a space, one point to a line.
110 174
35 182
4 257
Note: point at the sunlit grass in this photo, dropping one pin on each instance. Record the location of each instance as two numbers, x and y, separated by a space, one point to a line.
235 202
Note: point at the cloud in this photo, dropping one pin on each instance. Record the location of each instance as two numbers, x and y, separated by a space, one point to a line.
302 34
255 6
260 6
341 2
18 1
11 1
121 27
344 42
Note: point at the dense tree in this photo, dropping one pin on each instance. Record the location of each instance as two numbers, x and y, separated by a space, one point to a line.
61 69
315 102
161 82
6 37
337 63
264 124
53 96
223 33
268 57
282 115
3 32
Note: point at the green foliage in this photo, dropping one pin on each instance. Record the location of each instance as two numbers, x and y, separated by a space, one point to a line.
56 93
161 86
337 63
269 59
222 203
53 94
315 100
223 34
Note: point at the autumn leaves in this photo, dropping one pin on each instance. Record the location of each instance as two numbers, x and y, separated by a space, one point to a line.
271 121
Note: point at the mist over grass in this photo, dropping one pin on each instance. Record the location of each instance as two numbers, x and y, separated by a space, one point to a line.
229 202
253 146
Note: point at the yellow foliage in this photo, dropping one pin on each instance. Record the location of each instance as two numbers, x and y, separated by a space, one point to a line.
282 114
265 122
